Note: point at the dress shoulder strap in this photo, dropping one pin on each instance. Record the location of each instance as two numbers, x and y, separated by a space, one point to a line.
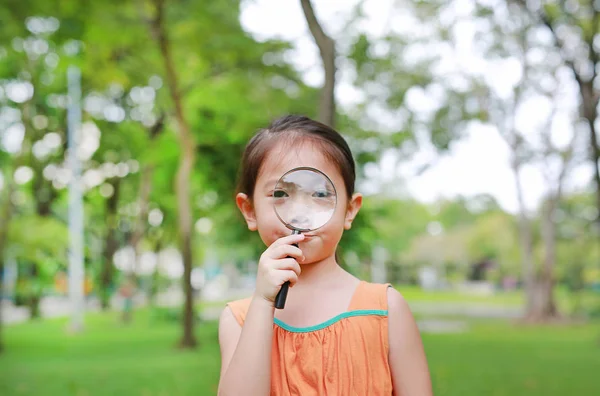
239 308
370 296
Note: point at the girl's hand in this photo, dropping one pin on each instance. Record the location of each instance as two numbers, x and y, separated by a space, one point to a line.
278 264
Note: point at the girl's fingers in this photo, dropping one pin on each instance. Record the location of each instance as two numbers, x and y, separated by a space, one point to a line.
290 276
286 251
287 240
287 264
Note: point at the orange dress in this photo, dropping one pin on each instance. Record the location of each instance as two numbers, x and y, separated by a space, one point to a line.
346 355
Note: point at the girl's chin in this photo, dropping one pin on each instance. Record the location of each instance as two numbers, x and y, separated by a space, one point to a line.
312 258
309 262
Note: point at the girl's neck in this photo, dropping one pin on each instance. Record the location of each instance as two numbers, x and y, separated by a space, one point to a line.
322 281
320 272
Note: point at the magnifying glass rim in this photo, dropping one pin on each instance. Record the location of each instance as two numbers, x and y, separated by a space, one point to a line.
306 168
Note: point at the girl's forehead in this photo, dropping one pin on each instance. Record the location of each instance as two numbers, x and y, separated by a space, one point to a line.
285 157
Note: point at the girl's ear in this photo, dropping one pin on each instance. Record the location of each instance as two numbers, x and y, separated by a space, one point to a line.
247 209
352 210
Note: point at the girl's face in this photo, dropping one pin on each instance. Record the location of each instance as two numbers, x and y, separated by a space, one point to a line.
260 214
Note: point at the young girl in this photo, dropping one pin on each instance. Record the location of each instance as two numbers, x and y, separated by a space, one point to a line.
337 335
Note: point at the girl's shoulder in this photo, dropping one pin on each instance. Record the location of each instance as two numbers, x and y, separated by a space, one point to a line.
370 296
239 309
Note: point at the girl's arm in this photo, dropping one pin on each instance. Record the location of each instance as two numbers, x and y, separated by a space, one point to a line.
410 374
246 353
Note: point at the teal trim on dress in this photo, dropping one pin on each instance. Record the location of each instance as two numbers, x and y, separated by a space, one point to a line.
358 312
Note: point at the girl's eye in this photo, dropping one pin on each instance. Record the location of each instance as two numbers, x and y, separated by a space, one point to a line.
321 194
279 194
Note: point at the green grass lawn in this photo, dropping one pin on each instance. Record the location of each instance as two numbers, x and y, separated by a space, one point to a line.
566 300
496 358
417 294
107 359
493 358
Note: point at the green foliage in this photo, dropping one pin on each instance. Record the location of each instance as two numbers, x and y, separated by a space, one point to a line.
37 239
495 236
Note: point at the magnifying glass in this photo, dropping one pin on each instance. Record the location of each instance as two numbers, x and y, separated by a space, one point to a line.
304 200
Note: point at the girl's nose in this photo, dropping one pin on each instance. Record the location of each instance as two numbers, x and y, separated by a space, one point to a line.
301 221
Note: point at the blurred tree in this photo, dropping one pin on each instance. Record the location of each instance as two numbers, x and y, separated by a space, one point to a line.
389 223
5 217
574 26
555 161
428 98
493 236
40 253
578 249
119 69
327 51
31 71
407 92
187 146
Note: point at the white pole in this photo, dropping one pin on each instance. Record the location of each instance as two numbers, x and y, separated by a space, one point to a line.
76 270
10 277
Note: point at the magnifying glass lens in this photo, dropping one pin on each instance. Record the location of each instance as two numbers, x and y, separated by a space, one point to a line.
304 199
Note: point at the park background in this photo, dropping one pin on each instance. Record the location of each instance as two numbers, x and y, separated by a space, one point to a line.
473 124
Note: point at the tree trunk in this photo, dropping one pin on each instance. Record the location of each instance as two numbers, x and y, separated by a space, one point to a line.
36 294
182 179
577 285
111 244
43 191
5 215
542 305
2 238
44 197
590 113
139 228
327 50
549 237
136 237
34 306
525 240
155 275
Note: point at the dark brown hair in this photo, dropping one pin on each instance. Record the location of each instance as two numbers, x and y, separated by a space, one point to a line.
291 129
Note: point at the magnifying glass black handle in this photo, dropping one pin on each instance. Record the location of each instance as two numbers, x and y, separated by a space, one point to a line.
282 295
